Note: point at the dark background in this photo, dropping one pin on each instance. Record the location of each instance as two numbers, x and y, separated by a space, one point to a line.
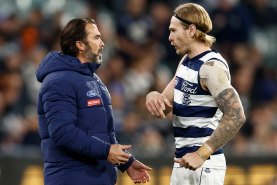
137 59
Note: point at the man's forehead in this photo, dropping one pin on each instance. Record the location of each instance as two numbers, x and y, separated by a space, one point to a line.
92 28
174 22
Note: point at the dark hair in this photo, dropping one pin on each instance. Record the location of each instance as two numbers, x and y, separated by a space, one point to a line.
75 30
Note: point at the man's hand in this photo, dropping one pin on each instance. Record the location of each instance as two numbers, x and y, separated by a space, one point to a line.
116 154
191 161
157 104
138 172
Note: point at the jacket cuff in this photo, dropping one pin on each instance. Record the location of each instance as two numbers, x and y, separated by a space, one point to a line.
107 151
125 166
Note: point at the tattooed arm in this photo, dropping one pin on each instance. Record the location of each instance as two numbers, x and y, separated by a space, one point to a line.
215 78
233 118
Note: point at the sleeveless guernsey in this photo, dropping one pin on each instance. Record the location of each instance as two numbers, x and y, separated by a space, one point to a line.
195 113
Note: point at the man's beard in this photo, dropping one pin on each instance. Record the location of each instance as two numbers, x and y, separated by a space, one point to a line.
92 57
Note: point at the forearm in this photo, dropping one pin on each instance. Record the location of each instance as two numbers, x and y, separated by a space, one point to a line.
168 92
233 118
160 104
122 167
224 132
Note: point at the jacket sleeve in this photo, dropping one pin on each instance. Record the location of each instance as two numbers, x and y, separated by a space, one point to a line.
59 103
125 166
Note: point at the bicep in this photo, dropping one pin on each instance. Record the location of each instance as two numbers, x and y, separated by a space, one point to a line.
214 77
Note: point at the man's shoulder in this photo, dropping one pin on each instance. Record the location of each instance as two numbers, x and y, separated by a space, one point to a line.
61 79
60 76
214 57
215 65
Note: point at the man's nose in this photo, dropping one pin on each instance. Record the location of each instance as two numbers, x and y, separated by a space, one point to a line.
102 43
170 38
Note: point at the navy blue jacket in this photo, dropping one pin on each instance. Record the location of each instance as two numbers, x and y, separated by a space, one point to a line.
75 123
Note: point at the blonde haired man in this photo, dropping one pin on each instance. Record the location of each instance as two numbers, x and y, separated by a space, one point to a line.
207 111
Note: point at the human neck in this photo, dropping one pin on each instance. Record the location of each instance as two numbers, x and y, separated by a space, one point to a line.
82 58
197 49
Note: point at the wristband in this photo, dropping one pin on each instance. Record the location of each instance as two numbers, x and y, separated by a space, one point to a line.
200 156
208 147
205 151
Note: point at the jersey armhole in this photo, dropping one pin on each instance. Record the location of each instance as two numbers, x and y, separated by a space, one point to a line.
199 84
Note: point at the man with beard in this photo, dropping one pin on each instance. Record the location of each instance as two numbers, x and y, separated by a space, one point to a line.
206 109
75 114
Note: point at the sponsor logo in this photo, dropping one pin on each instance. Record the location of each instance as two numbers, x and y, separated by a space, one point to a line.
188 87
93 102
91 93
207 170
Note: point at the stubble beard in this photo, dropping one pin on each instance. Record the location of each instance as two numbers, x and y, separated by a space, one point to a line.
99 59
92 57
182 52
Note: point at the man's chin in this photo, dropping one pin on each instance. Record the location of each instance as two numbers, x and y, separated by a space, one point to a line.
178 52
98 60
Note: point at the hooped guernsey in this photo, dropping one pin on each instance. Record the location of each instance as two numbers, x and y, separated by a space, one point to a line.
195 112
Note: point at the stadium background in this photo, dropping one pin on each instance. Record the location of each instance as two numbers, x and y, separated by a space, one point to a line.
138 58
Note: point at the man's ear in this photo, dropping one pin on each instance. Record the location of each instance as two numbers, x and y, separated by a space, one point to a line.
192 30
80 45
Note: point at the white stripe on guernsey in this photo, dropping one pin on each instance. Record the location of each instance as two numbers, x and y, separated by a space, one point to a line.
212 55
184 122
216 119
196 100
187 74
181 142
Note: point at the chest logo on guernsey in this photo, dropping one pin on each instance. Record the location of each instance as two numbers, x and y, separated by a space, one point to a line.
93 102
186 99
188 87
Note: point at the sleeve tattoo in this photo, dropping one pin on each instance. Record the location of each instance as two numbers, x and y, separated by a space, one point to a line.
233 118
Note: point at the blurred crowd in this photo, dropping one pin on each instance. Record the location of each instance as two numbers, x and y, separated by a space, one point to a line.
138 58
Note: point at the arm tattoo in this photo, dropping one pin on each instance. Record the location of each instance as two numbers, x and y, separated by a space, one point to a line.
233 118
211 63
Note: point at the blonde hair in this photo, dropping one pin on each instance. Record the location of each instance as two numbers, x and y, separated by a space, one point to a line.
198 16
